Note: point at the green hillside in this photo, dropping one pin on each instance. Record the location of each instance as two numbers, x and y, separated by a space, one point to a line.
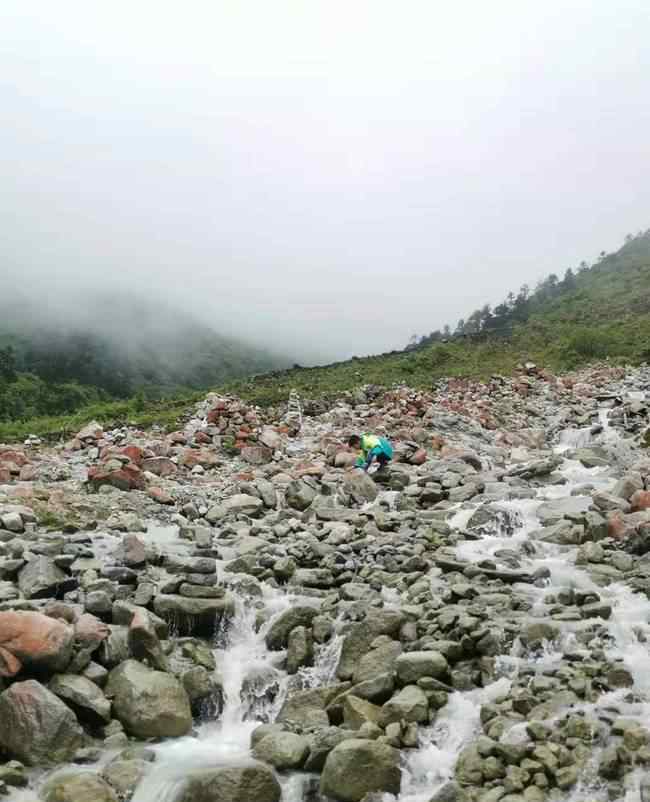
593 312
112 348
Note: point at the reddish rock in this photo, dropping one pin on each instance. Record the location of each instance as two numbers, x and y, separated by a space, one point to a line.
214 416
89 631
177 438
419 457
37 727
640 500
16 457
129 477
134 453
159 495
5 475
309 470
33 640
257 455
202 438
160 466
617 527
199 456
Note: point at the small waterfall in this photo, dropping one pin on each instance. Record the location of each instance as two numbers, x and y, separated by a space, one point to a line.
253 688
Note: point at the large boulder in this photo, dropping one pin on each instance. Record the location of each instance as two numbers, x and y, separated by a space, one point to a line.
299 495
254 782
410 704
37 727
283 750
412 666
34 641
41 578
360 487
379 661
150 704
144 642
307 708
192 616
126 477
360 636
125 774
77 786
83 696
278 634
256 455
160 466
357 767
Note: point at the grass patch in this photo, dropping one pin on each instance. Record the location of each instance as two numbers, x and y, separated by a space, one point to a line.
110 414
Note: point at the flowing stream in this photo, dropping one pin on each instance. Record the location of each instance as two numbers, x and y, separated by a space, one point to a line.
254 686
428 768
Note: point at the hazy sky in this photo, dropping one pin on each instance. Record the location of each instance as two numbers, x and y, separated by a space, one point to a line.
329 177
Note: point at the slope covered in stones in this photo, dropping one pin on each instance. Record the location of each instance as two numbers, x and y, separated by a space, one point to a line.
231 612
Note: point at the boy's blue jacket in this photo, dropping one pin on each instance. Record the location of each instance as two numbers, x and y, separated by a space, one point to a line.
371 447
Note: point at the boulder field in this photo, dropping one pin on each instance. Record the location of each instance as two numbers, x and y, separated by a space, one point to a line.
230 612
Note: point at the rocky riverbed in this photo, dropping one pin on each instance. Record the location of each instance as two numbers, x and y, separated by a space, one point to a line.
232 613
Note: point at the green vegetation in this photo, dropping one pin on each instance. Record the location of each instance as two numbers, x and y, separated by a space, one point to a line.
121 348
593 313
164 413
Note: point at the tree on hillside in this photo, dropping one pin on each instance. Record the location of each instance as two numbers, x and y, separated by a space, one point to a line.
7 364
569 281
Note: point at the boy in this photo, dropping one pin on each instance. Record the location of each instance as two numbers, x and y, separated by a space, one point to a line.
371 447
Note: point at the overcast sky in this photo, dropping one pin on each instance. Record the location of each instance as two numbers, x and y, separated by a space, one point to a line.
326 176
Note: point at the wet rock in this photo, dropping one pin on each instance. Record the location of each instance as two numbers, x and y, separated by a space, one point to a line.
14 774
321 744
150 704
307 709
83 696
278 635
37 727
410 704
282 750
300 649
355 768
124 775
359 638
535 634
450 792
192 616
77 786
34 641
231 784
591 457
469 767
143 641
